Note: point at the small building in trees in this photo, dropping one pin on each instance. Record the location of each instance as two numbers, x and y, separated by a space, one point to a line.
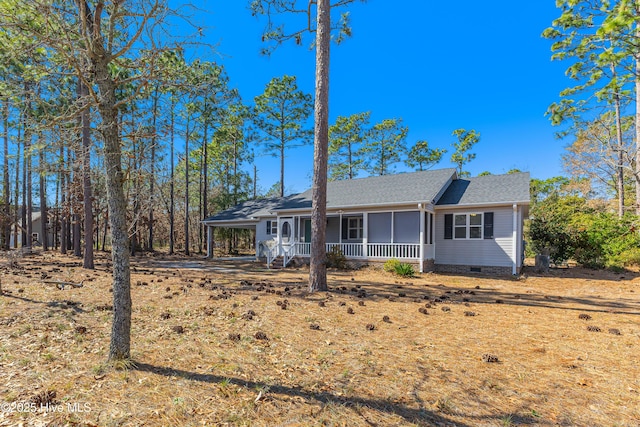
37 230
433 219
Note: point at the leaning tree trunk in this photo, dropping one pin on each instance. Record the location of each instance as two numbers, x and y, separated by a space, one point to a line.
318 267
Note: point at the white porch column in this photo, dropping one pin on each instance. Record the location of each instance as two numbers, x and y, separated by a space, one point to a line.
209 242
432 232
365 234
340 232
279 235
393 220
515 240
421 234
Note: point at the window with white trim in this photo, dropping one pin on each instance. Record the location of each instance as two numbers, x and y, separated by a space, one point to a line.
272 228
468 226
354 228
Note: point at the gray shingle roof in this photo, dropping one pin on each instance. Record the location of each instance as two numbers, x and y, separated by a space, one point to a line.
251 209
490 189
389 190
405 188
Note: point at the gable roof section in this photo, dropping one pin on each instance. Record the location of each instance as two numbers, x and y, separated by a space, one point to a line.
488 190
390 190
404 188
248 211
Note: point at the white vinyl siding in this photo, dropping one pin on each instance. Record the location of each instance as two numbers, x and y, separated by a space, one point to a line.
261 230
497 252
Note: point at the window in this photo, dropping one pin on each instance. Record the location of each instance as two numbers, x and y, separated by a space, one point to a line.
272 228
354 227
460 226
468 226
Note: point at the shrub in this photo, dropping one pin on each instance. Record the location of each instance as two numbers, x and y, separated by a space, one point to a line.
391 265
405 270
336 259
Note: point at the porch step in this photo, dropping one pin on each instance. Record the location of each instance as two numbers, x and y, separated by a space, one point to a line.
277 263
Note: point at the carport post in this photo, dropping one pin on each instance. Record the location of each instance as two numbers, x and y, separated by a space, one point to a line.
209 241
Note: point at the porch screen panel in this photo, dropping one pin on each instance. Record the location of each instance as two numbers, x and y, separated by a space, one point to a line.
406 227
379 227
333 230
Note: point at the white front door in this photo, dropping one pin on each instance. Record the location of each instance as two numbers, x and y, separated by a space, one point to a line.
286 231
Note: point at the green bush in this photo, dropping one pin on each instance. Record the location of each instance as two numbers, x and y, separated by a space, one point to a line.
405 270
336 259
571 229
391 265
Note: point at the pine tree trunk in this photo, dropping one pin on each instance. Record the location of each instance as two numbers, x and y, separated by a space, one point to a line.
172 203
6 222
186 190
44 214
120 347
28 218
87 191
620 162
152 177
17 231
64 223
318 266
637 154
205 183
282 144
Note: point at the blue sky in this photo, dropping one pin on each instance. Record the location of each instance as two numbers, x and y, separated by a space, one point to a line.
437 65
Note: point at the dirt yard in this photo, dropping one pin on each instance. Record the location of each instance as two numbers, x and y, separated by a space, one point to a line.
235 344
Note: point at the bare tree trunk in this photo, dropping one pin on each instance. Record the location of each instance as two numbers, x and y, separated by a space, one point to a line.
134 241
106 230
318 266
172 204
120 347
44 214
620 164
24 193
282 143
87 192
152 177
6 220
17 231
64 223
205 181
637 154
28 216
56 212
255 181
186 190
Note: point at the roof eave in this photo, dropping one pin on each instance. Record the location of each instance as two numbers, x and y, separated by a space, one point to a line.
367 206
463 205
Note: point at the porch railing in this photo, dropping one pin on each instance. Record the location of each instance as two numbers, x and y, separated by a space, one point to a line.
393 250
288 252
268 249
374 250
303 249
